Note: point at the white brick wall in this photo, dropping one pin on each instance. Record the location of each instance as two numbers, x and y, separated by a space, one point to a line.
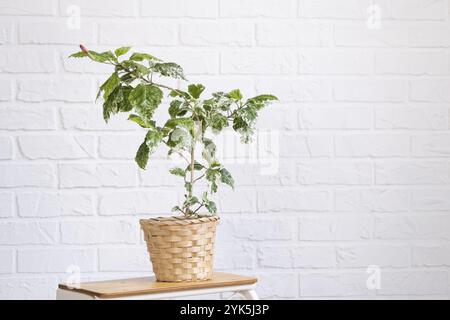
363 127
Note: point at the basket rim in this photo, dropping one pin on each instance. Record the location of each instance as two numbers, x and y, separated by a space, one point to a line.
178 220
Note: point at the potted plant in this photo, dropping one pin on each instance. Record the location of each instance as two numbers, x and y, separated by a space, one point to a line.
180 247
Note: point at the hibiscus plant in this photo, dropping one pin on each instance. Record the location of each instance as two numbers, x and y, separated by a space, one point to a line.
193 121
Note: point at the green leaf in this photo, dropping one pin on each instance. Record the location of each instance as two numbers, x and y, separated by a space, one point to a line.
197 166
123 92
209 150
264 97
178 138
190 201
225 177
246 134
145 98
239 123
121 51
80 54
153 139
211 206
169 69
260 101
109 85
135 118
177 208
109 55
221 101
235 94
141 69
95 56
117 102
128 77
218 122
134 69
101 57
174 108
208 105
211 176
186 123
137 56
215 165
178 172
179 93
249 113
142 155
213 186
196 90
243 122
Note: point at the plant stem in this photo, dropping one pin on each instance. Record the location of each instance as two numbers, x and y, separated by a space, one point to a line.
198 178
192 167
182 155
199 207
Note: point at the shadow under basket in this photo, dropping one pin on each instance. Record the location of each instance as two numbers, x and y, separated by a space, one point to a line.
180 248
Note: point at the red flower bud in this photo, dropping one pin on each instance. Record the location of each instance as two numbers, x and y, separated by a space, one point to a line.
83 48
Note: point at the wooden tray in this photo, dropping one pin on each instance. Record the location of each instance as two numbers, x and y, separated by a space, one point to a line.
148 285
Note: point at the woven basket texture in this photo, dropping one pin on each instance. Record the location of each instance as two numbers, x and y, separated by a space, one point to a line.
181 249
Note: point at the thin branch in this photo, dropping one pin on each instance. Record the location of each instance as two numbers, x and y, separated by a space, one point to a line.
239 107
199 178
162 86
183 156
199 207
192 167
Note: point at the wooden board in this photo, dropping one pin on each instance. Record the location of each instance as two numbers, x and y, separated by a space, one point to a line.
148 285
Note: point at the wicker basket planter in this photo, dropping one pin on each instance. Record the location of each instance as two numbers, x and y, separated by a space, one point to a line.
181 249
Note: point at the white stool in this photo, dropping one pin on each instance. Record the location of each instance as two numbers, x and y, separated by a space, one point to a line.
148 288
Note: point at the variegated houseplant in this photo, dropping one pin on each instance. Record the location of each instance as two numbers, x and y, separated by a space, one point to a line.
193 122
180 248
